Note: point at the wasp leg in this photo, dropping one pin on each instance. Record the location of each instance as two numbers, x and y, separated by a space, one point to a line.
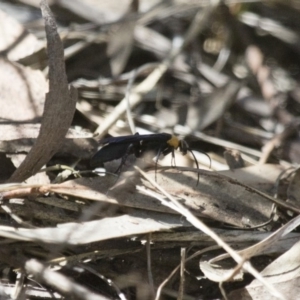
196 162
124 158
173 161
156 162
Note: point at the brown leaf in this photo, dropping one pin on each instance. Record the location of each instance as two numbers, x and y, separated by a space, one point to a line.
98 189
218 197
283 273
59 106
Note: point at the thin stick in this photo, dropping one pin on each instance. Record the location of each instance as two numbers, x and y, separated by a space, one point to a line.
182 268
149 269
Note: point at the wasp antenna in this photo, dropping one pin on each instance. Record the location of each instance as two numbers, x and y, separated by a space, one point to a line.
207 157
198 177
156 162
173 158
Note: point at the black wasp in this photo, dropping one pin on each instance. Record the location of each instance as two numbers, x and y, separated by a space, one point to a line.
122 146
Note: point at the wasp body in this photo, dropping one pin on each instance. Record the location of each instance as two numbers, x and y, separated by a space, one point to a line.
123 146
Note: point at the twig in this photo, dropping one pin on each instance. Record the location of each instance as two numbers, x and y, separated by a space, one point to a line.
182 268
149 268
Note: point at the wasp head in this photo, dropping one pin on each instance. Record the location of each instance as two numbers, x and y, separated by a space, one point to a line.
183 147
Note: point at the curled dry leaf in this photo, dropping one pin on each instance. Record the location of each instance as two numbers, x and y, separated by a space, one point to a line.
283 273
59 105
219 273
263 246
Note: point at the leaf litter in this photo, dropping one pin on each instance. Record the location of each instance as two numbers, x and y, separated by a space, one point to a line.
224 77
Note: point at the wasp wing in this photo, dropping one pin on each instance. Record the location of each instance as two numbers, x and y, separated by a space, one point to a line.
118 147
108 153
129 139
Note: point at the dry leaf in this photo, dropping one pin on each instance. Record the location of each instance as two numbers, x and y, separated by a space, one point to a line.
240 238
59 106
15 41
20 138
24 99
213 107
98 12
218 197
263 246
219 272
261 177
100 189
119 46
120 41
282 273
10 132
93 231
